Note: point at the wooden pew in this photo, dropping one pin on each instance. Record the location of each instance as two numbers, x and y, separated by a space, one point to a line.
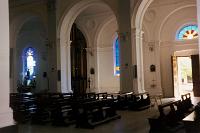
43 112
188 107
23 105
62 113
184 106
122 101
103 95
94 112
139 101
168 121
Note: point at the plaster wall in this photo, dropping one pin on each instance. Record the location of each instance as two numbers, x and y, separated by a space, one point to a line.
107 81
162 21
6 118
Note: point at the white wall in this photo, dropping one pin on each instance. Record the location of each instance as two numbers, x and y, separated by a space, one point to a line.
108 82
5 111
161 22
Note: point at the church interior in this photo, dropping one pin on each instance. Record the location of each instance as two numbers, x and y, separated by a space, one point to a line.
119 66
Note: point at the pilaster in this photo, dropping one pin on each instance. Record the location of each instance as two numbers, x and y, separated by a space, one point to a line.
6 118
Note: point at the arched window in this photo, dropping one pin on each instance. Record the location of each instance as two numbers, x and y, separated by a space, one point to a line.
116 58
29 63
188 32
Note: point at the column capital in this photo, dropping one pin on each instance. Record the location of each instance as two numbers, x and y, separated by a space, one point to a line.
66 44
137 32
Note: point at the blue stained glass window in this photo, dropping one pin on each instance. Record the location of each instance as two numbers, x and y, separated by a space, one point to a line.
117 58
29 63
188 32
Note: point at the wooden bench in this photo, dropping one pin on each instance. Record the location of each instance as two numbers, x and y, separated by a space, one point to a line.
94 112
43 112
23 105
187 105
122 100
139 101
192 121
168 121
62 113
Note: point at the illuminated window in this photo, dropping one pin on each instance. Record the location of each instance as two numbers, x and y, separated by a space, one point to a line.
29 63
188 32
116 58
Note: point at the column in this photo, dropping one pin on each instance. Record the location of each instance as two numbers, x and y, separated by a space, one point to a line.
124 23
5 112
52 74
137 42
65 66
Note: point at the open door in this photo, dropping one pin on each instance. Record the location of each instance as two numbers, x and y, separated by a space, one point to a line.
175 75
195 75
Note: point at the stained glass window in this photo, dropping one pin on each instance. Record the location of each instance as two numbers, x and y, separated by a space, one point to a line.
29 63
188 32
116 58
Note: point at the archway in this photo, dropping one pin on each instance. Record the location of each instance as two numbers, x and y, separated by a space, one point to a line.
158 40
16 25
137 41
31 35
90 29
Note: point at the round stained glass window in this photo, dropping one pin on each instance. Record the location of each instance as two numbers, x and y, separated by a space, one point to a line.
188 32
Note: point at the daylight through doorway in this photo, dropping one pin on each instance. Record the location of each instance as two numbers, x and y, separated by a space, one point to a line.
184 76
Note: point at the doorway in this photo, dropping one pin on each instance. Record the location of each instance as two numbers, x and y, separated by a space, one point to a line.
78 62
182 73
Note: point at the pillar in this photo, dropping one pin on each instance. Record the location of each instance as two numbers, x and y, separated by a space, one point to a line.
5 111
124 33
65 57
52 72
137 47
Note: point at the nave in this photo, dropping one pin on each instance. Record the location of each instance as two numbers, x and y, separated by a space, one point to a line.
41 56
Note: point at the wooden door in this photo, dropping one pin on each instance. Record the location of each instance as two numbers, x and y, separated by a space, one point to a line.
78 62
175 75
195 75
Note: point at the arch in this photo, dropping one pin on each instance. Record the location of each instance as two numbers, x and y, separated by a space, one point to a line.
136 24
63 33
101 27
168 16
18 22
138 13
100 30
